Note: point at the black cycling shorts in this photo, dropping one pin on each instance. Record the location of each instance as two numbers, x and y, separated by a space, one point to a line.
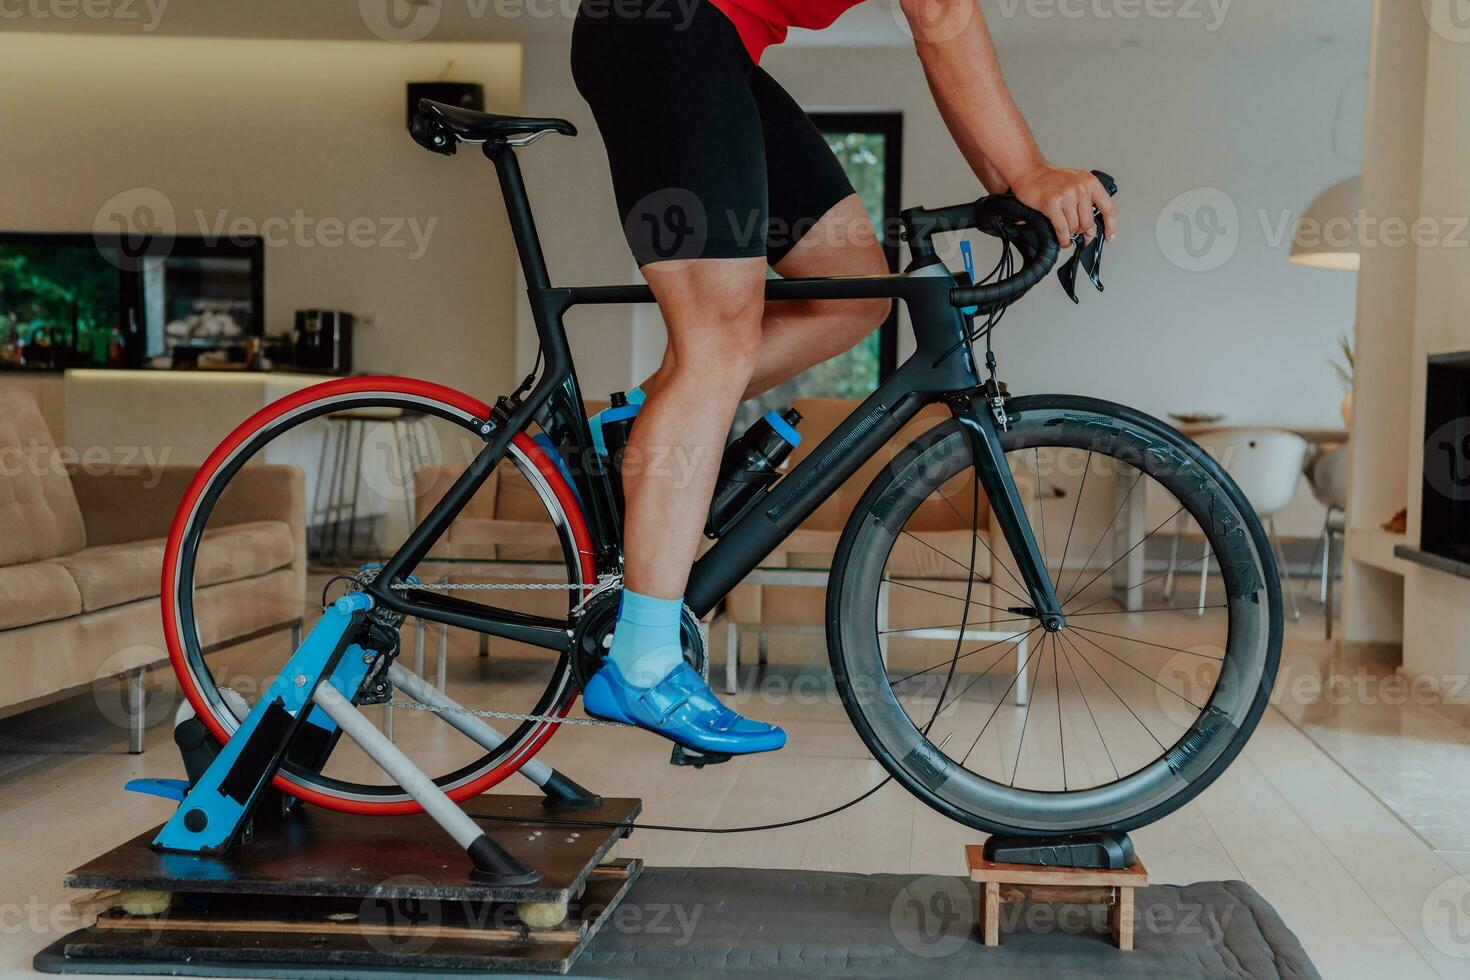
710 157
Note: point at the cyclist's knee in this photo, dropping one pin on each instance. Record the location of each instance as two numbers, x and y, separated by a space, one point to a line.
868 314
726 349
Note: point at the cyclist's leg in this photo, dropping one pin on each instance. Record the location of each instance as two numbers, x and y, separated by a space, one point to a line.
818 227
684 143
712 309
798 335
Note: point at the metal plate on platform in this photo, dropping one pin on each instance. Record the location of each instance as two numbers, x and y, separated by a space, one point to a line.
321 854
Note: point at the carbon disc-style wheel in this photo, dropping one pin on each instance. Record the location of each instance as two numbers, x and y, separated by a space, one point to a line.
381 443
1156 681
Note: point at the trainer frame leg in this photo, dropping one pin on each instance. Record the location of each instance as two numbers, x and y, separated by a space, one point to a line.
560 791
492 862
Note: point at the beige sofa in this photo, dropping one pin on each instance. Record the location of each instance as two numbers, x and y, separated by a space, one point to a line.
81 556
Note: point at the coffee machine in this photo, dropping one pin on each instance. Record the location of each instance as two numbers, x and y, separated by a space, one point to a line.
322 341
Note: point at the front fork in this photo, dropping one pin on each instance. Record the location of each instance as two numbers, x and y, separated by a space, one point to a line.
977 413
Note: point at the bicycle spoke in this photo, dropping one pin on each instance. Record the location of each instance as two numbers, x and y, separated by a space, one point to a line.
1009 639
1026 718
1153 680
966 627
1140 612
1155 578
1071 526
946 595
1103 536
961 564
1088 705
1056 670
994 558
1147 643
1115 561
998 702
1078 650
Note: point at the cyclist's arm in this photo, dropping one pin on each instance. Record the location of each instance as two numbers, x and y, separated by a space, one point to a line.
953 43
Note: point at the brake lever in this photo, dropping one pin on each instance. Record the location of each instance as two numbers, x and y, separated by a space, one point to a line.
1086 254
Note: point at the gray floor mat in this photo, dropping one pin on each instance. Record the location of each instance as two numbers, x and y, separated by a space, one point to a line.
711 921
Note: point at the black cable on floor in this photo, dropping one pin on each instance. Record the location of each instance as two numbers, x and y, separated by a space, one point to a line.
675 829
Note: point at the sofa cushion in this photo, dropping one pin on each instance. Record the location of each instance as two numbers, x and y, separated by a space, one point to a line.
36 592
39 517
113 574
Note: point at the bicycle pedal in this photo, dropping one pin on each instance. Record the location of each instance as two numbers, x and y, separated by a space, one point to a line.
685 756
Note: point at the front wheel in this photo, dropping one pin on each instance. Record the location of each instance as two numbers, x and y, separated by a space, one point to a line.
1161 673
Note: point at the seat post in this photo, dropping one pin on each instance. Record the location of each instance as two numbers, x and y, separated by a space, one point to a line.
518 210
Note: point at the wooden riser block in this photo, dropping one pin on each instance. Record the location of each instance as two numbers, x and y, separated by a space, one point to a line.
1005 883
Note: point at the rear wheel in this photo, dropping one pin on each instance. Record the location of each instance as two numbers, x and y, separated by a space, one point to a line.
366 448
1145 695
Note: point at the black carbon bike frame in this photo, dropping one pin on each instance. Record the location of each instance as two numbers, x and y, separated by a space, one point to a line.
940 369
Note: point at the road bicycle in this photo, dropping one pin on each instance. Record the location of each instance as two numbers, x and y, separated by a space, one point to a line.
1125 721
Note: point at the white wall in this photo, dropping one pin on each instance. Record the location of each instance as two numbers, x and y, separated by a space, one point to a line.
260 129
1251 340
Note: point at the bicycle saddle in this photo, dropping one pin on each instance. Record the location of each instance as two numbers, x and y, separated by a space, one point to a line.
439 126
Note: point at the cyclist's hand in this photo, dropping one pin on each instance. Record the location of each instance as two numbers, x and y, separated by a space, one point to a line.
1067 197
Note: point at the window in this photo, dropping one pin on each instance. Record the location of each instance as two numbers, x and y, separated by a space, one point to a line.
870 147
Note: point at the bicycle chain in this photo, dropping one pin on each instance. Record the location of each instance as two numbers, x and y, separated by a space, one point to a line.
486 586
507 715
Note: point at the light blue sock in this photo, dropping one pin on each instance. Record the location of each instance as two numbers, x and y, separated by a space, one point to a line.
646 639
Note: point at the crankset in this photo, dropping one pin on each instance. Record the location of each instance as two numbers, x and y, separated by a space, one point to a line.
592 637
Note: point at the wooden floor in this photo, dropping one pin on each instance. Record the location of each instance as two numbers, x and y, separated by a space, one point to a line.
1365 890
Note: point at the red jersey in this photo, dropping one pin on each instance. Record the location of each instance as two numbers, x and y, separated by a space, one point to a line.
762 23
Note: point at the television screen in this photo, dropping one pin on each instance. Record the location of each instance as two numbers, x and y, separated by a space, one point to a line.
75 300
60 304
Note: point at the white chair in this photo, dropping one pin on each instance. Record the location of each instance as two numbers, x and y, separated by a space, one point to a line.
1267 464
1328 477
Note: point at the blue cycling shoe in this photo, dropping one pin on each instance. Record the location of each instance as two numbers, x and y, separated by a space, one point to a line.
682 708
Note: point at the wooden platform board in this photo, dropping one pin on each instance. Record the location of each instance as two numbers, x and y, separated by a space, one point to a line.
375 893
325 854
1004 883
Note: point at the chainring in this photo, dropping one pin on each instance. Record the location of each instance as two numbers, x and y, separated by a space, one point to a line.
592 637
